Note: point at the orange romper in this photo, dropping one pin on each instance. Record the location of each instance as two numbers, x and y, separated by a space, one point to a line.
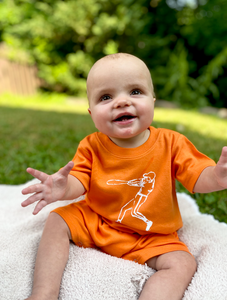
130 208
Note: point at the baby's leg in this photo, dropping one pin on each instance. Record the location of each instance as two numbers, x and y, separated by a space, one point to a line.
174 273
51 259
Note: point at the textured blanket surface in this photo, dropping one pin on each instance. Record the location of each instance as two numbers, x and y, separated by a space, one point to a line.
92 275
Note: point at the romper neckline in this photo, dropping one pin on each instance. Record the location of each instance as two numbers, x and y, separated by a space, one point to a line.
128 153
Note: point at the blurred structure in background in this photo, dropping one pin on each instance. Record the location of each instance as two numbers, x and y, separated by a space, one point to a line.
17 77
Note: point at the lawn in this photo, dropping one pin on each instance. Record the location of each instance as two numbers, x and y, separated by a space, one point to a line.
44 131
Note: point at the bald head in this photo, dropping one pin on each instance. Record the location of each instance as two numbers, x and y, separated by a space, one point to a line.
114 62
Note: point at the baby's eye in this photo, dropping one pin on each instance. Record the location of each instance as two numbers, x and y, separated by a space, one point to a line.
105 97
136 92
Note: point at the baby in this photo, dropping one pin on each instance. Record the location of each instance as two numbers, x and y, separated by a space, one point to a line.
127 171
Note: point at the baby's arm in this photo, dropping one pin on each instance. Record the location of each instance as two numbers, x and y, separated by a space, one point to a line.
213 178
58 186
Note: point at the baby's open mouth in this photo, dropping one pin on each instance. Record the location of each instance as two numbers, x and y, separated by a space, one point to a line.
124 118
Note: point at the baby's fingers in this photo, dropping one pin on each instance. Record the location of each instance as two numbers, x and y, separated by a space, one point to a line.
37 174
224 154
66 169
40 205
35 188
34 198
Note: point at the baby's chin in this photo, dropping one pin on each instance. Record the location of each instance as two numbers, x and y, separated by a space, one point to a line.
131 140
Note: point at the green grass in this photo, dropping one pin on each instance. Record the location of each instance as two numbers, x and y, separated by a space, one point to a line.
44 131
45 101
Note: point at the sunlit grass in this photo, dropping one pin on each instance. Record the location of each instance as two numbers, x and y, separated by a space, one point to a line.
46 101
210 126
208 133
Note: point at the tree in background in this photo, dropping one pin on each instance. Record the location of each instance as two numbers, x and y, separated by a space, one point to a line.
205 33
184 47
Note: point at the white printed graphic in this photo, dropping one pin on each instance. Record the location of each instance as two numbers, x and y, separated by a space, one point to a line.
146 185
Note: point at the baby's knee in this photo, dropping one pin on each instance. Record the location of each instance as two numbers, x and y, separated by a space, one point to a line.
186 265
192 266
57 225
181 262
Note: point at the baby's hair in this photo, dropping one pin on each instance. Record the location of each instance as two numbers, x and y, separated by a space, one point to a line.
118 55
122 55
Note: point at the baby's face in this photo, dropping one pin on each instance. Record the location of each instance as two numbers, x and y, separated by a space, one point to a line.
120 93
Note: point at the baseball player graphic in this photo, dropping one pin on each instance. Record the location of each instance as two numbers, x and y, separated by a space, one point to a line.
146 185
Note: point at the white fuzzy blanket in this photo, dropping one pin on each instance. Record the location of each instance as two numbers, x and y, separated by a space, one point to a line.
92 275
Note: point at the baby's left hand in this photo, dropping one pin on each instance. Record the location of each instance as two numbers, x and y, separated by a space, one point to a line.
220 170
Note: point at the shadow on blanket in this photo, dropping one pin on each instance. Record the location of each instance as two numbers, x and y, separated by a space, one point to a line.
92 275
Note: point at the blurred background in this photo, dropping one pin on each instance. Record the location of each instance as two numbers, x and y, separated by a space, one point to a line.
183 42
48 47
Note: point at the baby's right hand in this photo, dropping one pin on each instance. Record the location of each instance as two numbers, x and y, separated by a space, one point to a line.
51 188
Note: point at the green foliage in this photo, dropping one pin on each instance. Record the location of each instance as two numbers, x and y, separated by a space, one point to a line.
205 34
176 74
185 47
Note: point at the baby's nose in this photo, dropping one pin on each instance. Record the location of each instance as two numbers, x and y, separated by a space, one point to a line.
121 102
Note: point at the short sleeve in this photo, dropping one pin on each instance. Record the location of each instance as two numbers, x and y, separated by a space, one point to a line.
188 162
82 164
